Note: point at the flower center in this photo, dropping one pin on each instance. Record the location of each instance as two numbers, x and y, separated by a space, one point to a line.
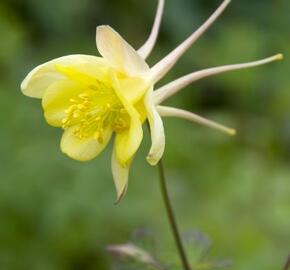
94 110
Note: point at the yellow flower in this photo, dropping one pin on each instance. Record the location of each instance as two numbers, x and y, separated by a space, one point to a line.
91 98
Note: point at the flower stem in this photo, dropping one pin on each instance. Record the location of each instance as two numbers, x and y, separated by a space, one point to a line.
171 217
287 265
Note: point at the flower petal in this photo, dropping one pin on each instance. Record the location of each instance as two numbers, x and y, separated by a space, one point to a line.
56 99
83 149
129 140
133 88
37 81
156 129
120 175
119 53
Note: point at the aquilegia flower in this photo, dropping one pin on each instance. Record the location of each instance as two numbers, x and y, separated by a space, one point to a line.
91 98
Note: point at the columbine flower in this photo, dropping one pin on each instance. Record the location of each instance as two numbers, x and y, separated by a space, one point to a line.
91 98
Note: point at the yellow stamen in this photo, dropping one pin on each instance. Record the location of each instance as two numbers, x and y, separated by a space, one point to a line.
94 110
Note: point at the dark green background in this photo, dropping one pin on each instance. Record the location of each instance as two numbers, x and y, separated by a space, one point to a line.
58 214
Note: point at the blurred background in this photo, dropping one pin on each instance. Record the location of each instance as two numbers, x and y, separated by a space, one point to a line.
58 214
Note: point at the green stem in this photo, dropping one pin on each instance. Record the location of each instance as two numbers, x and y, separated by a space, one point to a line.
287 265
171 217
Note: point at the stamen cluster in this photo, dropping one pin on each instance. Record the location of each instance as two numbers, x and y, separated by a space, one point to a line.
94 110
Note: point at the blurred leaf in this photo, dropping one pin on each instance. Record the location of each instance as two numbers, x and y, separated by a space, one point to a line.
135 253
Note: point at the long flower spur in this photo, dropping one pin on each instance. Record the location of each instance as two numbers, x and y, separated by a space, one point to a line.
91 98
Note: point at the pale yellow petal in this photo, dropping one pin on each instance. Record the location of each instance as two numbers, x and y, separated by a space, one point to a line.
83 149
56 99
37 81
129 140
133 88
120 176
156 130
86 73
119 53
